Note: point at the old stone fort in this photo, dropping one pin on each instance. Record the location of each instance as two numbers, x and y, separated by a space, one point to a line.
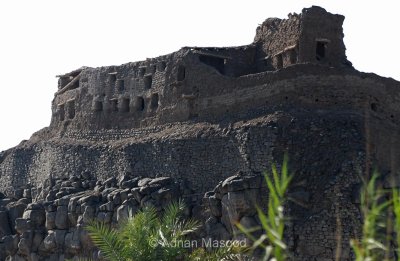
203 124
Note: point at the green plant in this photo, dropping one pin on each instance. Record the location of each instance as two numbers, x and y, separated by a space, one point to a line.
219 254
396 211
373 206
145 236
273 222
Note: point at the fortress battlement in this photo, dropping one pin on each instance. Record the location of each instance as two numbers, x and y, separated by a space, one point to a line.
186 84
202 124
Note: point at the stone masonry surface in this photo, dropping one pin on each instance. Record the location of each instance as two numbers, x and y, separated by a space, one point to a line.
203 124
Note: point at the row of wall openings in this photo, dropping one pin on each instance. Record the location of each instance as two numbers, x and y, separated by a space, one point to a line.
120 84
152 68
124 106
285 58
98 105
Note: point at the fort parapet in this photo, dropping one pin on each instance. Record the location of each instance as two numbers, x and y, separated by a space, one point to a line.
196 83
203 124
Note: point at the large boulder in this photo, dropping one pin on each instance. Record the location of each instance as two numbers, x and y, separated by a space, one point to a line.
61 220
5 228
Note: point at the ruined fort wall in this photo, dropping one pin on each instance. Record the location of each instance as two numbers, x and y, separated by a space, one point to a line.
201 115
205 156
300 86
113 96
172 88
327 150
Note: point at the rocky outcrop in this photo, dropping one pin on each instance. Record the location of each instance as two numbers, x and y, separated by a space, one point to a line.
311 228
50 224
233 201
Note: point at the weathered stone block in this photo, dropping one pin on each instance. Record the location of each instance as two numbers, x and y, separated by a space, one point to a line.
214 205
5 228
162 181
136 194
89 200
59 236
10 244
61 221
37 240
88 214
22 225
50 220
235 205
36 216
105 217
144 182
49 241
72 243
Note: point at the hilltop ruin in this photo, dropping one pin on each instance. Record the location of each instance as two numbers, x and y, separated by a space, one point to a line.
197 83
203 124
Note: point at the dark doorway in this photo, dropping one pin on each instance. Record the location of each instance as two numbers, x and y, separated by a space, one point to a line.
140 104
181 74
114 105
216 62
148 80
321 51
61 112
154 101
71 109
279 61
121 85
98 106
125 105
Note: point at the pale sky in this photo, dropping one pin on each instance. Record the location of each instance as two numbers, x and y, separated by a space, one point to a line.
43 38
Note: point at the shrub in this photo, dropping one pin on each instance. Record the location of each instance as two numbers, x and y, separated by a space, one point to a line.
272 222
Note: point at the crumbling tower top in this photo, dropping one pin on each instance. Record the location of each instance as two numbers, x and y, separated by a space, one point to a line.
314 36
